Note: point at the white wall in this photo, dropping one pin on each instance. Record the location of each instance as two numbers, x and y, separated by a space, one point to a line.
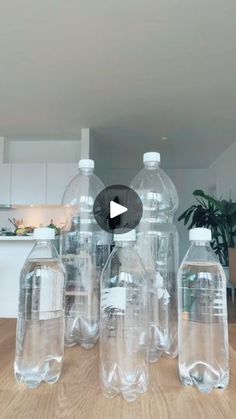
47 151
2 149
117 176
186 181
223 173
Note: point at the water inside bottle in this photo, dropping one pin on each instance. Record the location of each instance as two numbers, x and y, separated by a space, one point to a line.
158 246
125 370
40 326
203 337
83 269
124 326
158 249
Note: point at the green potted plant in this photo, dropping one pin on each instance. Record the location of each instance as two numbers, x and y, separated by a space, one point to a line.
220 216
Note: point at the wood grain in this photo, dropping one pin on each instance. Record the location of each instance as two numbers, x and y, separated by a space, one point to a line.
78 394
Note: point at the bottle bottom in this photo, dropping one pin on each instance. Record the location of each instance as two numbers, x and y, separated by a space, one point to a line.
128 394
156 354
85 344
82 332
70 343
206 380
30 381
162 342
33 382
32 377
128 388
171 354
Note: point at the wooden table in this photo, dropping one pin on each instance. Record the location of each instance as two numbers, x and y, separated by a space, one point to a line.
78 394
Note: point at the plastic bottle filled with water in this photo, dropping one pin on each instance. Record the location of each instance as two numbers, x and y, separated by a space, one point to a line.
203 326
40 323
124 322
157 242
84 251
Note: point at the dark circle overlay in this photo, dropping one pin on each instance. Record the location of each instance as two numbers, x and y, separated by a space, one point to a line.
122 195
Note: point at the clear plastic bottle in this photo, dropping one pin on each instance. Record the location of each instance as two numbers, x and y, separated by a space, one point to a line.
203 327
84 251
158 247
40 323
124 322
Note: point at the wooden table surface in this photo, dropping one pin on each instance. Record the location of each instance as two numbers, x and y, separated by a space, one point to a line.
78 394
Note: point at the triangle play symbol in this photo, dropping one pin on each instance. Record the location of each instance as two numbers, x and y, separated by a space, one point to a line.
116 209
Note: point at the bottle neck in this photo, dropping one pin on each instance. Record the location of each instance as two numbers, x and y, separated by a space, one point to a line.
200 251
124 244
43 242
200 243
44 249
151 165
86 171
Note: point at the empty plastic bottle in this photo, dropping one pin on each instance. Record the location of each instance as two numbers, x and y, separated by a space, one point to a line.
124 322
40 323
84 250
157 243
203 327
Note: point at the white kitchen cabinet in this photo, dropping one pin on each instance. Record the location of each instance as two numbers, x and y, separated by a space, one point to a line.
28 184
5 184
58 177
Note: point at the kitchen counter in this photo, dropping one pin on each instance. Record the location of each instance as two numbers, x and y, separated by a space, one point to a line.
78 395
13 253
16 238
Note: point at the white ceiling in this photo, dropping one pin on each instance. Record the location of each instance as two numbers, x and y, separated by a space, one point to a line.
133 70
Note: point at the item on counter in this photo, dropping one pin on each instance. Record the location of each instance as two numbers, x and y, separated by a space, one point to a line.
157 242
6 232
25 231
124 340
40 324
84 251
20 230
16 223
57 229
203 325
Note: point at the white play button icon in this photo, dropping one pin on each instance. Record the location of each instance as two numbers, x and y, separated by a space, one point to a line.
116 209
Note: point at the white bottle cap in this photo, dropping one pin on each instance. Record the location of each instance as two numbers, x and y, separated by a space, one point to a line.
86 164
152 156
200 234
125 237
44 233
